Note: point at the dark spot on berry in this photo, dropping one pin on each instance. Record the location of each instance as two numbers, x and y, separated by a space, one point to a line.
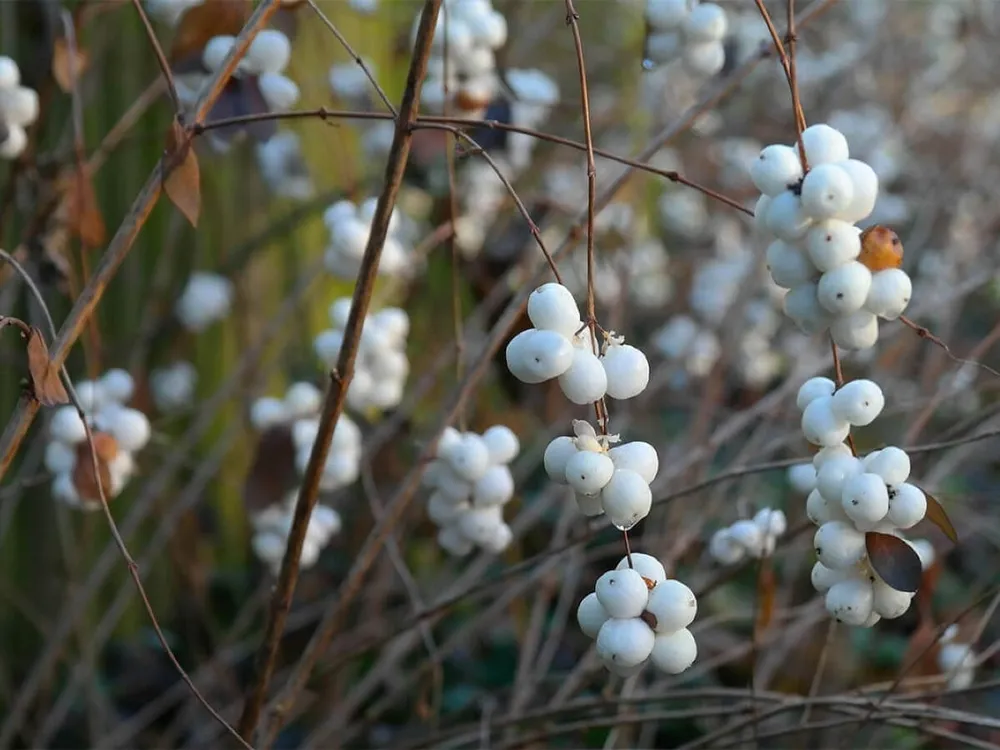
840 295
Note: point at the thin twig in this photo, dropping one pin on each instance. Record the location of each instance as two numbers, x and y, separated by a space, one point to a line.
161 59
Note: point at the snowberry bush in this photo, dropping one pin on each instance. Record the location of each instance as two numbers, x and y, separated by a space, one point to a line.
119 432
349 226
273 524
471 482
756 537
381 366
688 31
206 298
18 109
636 614
299 412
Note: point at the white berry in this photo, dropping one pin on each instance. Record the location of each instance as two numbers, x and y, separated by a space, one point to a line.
824 145
622 593
832 243
626 498
674 652
551 307
888 602
673 605
589 472
907 505
859 330
557 455
844 289
636 456
586 380
839 545
646 565
889 293
788 265
535 356
866 498
625 643
859 402
813 389
850 601
821 426
627 369
591 615
892 464
777 168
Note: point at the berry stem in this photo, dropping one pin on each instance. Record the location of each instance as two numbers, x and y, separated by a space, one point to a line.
838 374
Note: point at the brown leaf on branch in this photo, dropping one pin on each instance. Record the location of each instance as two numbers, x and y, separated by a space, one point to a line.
202 22
46 387
936 515
272 474
182 178
895 561
84 478
67 68
83 214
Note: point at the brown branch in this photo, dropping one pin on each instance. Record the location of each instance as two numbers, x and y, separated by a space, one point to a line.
161 59
925 333
787 65
340 379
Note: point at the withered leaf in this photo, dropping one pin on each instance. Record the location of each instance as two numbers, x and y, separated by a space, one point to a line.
84 478
182 181
937 516
894 560
766 590
83 212
46 387
272 474
202 22
67 68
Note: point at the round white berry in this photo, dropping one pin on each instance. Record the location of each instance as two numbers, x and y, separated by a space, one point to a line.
10 74
215 51
303 399
924 550
831 477
500 540
591 615
771 521
495 487
454 542
501 443
588 472
673 605
823 577
865 184
267 412
91 395
748 535
557 455
279 92
850 601
888 602
829 452
340 310
832 243
859 330
827 191
839 545
327 346
627 369
705 23
118 385
130 427
622 593
813 389
449 439
590 505
469 458
787 264
666 14
535 356
824 145
859 402
663 46
760 209
889 293
13 146
60 458
821 426
892 464
66 426
270 51
636 456
586 380
776 169
479 525
907 505
551 307
674 652
704 58
844 289
821 511
646 565
801 304
625 643
866 498
442 510
626 498
802 478
724 549
785 217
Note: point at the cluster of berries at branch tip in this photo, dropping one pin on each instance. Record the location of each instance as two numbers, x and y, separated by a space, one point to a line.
118 432
471 482
636 614
173 387
850 496
207 298
18 109
381 366
561 346
462 68
755 537
273 525
688 31
606 480
349 225
298 411
956 660
839 278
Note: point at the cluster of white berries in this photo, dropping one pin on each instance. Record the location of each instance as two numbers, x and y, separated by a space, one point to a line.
471 482
689 31
956 660
475 30
381 366
850 496
606 480
637 614
816 251
755 537
273 525
206 298
18 109
172 387
561 346
299 410
283 166
349 226
119 433
685 341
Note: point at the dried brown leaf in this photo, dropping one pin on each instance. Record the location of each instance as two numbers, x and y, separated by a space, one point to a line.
67 68
182 182
894 560
84 478
202 22
936 515
46 387
272 474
